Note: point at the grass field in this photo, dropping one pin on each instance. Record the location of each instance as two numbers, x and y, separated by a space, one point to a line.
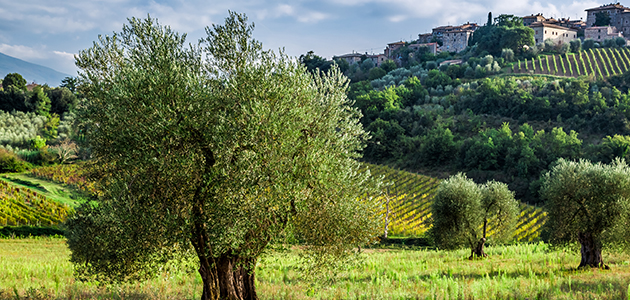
39 269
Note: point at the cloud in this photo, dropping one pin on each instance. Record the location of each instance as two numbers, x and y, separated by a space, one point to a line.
397 18
65 55
301 14
22 52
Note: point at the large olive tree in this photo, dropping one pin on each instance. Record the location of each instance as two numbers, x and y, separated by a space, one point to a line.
587 203
463 211
218 148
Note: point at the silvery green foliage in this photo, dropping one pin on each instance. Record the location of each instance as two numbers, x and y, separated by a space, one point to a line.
18 128
218 147
587 197
397 77
461 207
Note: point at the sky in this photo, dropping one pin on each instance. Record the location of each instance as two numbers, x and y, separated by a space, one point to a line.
51 32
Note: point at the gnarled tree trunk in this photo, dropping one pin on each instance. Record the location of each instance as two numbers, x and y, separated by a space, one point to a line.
477 251
228 277
591 251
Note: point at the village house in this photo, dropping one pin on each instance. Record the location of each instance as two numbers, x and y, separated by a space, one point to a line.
456 41
392 47
425 38
453 38
558 34
431 47
619 17
528 20
617 12
378 59
601 33
440 31
351 58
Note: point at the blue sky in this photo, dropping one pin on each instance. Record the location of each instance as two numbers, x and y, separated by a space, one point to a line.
50 32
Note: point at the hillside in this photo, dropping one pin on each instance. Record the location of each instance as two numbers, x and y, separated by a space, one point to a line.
411 196
29 201
31 72
23 206
599 63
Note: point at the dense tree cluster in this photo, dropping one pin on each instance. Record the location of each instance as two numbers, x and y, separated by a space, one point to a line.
504 128
507 32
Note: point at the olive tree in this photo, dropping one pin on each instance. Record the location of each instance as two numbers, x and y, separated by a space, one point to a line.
217 149
463 211
587 203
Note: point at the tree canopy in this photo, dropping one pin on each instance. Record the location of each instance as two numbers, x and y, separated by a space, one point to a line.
602 18
587 203
462 211
14 80
314 62
219 149
507 32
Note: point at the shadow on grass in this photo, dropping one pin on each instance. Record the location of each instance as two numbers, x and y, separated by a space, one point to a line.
44 294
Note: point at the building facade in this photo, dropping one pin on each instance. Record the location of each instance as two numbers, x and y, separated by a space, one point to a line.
392 47
528 20
455 41
615 11
432 47
601 33
558 34
351 58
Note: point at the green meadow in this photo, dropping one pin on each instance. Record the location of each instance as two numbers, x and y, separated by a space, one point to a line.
38 268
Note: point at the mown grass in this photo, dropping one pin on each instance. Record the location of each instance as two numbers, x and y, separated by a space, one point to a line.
40 268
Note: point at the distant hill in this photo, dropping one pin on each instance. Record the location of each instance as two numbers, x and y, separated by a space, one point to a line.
30 71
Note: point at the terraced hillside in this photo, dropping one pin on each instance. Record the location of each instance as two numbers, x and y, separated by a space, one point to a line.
410 197
23 206
601 62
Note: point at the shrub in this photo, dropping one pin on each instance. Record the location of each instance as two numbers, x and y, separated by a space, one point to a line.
9 162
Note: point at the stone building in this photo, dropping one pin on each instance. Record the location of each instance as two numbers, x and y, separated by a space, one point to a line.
439 32
453 38
351 58
601 33
528 20
432 47
391 47
425 38
455 41
559 34
617 12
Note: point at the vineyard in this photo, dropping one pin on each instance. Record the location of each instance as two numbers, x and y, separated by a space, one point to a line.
599 63
410 196
72 175
22 206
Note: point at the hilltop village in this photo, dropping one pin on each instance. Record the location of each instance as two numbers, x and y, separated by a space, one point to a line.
614 17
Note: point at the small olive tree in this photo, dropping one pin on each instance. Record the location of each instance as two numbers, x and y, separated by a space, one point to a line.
587 203
463 211
215 149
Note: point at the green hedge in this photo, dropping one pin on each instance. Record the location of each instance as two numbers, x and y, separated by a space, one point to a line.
26 231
